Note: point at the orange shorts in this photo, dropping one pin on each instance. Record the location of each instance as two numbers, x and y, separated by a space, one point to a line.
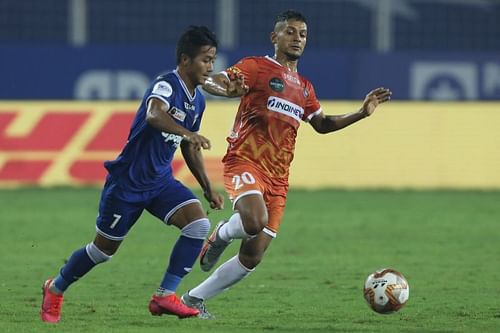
243 179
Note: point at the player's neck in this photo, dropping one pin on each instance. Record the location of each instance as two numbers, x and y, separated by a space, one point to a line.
187 81
286 62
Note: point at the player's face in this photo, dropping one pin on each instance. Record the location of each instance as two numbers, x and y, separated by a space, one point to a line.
202 65
290 38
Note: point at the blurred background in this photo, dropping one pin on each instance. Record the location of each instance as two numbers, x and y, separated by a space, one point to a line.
109 50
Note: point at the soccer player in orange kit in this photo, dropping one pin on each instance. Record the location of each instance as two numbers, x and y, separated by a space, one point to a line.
275 99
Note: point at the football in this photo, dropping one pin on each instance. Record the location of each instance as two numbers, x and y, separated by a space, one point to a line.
386 291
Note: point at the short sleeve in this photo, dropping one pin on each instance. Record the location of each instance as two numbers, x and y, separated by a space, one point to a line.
163 91
248 68
313 107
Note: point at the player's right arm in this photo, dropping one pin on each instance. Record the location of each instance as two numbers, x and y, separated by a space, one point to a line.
157 116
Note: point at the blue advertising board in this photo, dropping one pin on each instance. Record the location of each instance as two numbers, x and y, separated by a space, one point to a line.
105 72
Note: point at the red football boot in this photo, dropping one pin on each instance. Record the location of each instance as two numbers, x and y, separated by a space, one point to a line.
51 304
171 305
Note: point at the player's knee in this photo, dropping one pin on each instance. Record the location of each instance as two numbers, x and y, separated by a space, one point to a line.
105 245
254 223
96 255
197 229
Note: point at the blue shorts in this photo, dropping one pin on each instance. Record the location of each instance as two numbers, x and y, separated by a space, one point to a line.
118 215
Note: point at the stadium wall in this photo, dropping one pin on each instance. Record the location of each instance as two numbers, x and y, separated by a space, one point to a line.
404 145
124 72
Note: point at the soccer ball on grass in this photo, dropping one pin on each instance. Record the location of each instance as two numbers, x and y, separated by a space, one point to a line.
386 291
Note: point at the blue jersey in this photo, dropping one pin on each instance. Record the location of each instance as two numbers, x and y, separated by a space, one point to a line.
143 168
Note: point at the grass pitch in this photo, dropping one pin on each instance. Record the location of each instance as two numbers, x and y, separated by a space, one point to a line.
445 243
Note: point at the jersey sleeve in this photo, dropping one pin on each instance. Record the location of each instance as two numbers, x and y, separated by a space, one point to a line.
163 91
313 107
248 68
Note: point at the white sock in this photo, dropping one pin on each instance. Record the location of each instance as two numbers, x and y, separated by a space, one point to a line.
228 274
233 229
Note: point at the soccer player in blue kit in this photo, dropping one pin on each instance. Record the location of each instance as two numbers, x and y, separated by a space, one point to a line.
140 178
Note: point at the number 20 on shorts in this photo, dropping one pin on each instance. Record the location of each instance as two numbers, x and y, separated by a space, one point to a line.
244 178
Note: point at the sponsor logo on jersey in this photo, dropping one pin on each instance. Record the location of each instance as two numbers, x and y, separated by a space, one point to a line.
177 114
285 107
306 93
174 138
291 78
162 88
188 106
276 84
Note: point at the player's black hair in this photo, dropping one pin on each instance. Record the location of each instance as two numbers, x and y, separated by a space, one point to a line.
193 39
290 15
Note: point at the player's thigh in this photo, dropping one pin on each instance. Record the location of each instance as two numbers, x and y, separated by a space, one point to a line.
176 205
116 215
253 212
275 209
187 214
245 188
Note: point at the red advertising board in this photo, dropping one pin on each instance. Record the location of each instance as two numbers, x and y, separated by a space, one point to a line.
63 143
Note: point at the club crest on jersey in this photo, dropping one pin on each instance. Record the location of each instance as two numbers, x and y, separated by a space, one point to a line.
177 114
285 107
276 84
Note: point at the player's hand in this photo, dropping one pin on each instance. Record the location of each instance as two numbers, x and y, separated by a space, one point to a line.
197 141
215 199
373 99
235 86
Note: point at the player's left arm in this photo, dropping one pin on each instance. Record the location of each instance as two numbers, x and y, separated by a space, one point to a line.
328 123
194 161
225 85
235 81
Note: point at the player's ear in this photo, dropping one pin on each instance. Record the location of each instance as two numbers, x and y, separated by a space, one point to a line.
273 37
185 59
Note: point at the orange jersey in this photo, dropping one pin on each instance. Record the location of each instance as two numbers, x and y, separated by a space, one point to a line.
269 116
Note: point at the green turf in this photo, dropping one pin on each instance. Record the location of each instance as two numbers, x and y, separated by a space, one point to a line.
447 244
